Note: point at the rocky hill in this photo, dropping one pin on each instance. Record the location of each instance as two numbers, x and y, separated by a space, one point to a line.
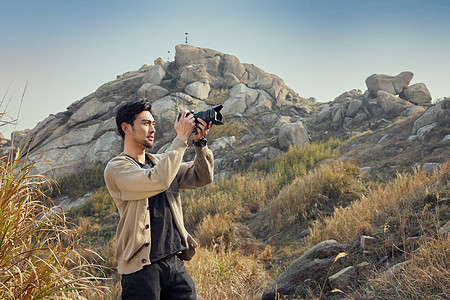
259 110
262 116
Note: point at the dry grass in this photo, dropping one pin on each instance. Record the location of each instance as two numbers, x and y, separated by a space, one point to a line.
224 231
317 192
39 257
235 196
226 274
425 276
347 223
231 128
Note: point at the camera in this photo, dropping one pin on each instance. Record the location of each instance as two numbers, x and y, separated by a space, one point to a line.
209 115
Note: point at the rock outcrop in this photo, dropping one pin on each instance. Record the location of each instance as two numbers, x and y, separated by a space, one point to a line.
85 134
306 271
387 98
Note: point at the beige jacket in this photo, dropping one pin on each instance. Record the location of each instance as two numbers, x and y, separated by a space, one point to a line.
130 186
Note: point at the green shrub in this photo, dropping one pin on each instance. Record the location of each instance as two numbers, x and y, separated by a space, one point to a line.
317 192
100 204
78 184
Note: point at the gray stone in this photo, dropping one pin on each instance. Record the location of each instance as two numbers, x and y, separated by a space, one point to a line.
90 110
354 107
360 118
387 102
223 143
311 268
264 83
390 84
293 134
156 92
348 96
193 73
324 114
154 76
233 65
263 104
254 73
445 229
266 153
368 243
430 167
241 97
185 54
198 90
363 266
417 94
230 80
391 272
337 115
423 131
415 110
446 138
435 114
119 85
341 279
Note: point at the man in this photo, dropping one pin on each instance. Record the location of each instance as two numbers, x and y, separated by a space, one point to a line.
151 240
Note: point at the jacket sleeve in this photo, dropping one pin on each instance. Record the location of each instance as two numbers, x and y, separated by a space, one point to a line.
130 182
199 172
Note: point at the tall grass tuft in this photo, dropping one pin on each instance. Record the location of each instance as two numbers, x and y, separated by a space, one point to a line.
39 258
226 274
316 193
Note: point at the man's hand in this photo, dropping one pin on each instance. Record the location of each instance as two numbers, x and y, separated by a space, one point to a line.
202 129
184 126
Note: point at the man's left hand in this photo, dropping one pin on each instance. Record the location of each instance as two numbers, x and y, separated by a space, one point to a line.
201 129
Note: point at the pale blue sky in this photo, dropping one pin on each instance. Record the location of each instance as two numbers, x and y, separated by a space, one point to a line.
65 49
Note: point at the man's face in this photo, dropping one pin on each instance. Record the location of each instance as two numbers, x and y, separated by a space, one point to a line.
143 130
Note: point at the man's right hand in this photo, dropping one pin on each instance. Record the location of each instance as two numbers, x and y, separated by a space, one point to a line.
184 126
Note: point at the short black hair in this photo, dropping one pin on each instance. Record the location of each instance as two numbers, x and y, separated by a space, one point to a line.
127 113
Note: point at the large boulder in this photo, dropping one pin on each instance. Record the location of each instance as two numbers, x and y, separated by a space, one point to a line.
307 271
438 113
391 84
198 90
417 94
90 110
390 103
324 114
241 98
233 65
293 134
185 54
193 73
348 96
354 107
154 75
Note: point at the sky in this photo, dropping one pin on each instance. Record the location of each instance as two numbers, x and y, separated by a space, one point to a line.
55 52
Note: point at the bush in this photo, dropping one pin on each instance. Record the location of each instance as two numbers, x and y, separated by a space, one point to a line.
100 204
225 274
305 198
39 257
78 184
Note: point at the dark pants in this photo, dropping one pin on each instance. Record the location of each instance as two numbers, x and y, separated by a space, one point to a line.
164 279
